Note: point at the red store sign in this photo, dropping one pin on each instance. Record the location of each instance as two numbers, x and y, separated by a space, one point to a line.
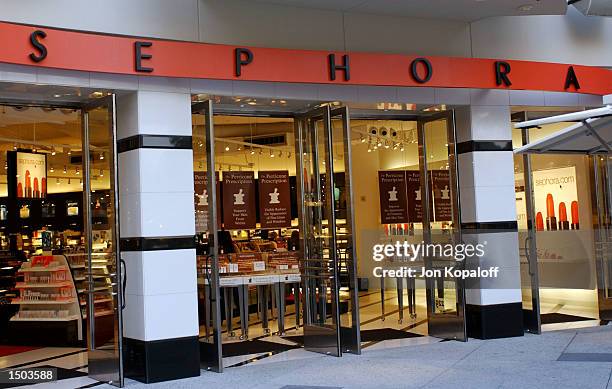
73 50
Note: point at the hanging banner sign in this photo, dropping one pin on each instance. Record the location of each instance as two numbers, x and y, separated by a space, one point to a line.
441 189
392 193
202 200
274 199
413 191
31 175
239 200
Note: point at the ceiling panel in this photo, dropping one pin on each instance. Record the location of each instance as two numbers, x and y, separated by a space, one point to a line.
463 10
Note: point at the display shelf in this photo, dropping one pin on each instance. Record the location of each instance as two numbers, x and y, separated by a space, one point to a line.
47 294
41 302
23 285
67 318
49 269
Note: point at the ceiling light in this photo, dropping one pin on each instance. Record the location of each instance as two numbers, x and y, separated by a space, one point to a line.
252 151
101 173
525 7
227 148
65 170
101 156
77 171
57 181
271 154
51 169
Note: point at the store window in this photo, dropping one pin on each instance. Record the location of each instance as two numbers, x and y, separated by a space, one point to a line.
562 217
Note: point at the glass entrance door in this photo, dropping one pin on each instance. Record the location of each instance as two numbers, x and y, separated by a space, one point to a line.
441 224
318 227
104 268
602 202
207 223
530 284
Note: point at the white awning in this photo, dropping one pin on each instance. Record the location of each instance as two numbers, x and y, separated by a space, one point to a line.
592 134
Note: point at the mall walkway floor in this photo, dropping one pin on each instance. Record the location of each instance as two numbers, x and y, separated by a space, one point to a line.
577 358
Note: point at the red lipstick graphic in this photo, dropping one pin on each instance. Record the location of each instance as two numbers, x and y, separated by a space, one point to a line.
28 185
575 223
539 222
36 191
551 220
563 222
19 189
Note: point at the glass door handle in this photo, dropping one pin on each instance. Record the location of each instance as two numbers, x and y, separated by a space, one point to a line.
124 282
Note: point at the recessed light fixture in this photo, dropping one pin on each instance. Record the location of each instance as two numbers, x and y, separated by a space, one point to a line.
525 7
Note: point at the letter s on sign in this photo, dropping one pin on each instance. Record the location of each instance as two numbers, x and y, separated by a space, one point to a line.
42 50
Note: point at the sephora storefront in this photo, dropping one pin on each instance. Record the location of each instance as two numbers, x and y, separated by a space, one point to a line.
169 207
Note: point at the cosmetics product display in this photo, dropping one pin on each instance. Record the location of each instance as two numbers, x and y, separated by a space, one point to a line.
551 220
563 222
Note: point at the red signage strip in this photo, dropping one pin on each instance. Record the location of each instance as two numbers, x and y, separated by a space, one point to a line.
63 49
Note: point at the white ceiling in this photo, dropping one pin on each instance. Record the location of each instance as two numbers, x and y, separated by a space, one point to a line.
462 10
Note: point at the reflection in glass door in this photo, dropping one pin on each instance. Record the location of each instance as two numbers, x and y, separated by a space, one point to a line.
602 202
316 187
105 282
440 194
207 221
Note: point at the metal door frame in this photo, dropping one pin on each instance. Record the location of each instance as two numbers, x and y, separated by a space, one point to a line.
305 126
440 324
110 103
350 337
601 204
532 324
213 362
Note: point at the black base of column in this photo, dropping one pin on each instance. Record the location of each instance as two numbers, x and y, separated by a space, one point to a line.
161 360
494 321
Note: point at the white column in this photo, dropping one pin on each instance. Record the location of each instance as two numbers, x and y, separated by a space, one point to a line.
160 321
488 215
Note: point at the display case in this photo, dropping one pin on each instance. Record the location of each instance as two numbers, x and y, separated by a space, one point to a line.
48 305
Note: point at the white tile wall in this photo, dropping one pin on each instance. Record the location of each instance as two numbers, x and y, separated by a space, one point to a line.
337 92
452 95
297 91
154 113
489 97
62 77
17 73
561 99
254 89
488 203
375 94
170 316
416 95
134 317
163 84
156 171
527 97
160 271
486 168
113 81
489 123
157 214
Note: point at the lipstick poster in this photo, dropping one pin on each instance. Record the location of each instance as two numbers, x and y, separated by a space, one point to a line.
556 199
239 200
31 175
274 201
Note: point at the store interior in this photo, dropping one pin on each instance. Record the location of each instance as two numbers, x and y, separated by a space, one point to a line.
563 191
254 137
44 308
